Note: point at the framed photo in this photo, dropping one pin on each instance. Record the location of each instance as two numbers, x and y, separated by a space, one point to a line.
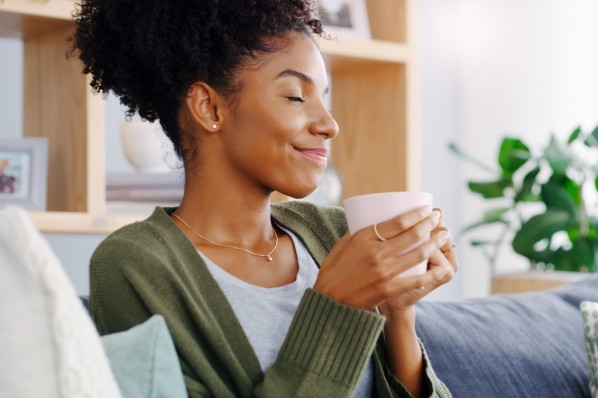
23 172
345 18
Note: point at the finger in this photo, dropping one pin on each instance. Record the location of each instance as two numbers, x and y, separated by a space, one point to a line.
423 252
402 222
409 238
449 247
439 273
441 269
438 209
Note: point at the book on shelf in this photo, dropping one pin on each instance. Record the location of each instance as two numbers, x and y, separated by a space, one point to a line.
145 187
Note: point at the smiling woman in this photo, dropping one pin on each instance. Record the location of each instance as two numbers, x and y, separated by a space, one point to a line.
257 297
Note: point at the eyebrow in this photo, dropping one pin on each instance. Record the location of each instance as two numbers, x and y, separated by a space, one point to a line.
301 76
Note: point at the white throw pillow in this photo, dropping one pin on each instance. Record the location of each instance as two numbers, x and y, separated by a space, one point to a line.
49 346
589 313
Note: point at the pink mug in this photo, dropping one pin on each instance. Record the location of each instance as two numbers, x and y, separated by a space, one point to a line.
366 210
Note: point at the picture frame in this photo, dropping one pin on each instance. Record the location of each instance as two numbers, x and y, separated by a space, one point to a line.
345 18
24 172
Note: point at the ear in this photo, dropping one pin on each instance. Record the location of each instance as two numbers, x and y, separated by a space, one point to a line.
204 105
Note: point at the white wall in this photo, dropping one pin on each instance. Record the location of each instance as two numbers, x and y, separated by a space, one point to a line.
528 68
440 118
11 93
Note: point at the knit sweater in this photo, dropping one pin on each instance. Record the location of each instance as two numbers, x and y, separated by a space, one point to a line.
150 267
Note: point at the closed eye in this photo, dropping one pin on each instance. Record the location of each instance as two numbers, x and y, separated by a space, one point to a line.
296 99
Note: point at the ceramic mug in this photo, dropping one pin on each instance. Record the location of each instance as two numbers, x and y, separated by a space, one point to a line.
366 210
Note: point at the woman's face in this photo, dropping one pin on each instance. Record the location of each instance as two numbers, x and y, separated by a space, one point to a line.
277 130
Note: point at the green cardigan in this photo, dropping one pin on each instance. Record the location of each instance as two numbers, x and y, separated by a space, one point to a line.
150 267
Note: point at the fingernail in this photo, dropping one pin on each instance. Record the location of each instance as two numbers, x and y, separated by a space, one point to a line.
443 236
435 217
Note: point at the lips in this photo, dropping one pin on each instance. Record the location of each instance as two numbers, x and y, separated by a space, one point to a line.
316 153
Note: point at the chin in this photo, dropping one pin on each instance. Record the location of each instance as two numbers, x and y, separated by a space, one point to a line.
297 192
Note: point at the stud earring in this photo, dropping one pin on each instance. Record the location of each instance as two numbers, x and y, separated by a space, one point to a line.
214 126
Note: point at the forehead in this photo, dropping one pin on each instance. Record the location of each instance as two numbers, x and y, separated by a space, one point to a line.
296 51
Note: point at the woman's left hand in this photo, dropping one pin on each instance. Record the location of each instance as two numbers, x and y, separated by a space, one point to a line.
441 268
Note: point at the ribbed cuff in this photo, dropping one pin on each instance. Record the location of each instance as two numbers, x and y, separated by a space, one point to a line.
331 340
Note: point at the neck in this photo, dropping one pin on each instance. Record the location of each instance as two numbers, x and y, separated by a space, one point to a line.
228 221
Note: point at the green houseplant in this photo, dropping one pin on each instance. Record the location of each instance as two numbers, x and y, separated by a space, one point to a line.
545 202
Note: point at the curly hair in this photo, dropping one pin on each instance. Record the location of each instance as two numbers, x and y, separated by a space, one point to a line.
149 52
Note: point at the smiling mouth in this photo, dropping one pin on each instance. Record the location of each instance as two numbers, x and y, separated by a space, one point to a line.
319 154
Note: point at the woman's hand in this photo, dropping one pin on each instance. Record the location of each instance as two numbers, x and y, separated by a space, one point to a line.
441 267
364 272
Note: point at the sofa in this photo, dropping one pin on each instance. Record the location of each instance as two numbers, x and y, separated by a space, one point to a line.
524 345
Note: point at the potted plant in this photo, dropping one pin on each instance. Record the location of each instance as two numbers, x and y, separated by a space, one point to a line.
545 202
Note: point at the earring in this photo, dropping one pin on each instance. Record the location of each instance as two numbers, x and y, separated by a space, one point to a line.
214 126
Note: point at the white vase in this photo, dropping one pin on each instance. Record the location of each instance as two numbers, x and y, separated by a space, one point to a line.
145 146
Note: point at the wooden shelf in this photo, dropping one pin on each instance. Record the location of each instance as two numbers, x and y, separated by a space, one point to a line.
26 18
72 222
340 53
533 281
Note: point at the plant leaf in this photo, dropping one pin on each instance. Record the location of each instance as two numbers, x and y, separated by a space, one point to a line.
583 254
492 216
490 189
557 156
513 154
574 135
592 139
456 149
480 243
537 228
562 193
525 193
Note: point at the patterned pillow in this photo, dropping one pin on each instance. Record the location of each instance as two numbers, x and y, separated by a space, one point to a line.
589 313
49 346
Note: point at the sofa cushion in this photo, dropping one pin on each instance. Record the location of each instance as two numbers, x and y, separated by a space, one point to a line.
589 312
521 345
49 346
144 361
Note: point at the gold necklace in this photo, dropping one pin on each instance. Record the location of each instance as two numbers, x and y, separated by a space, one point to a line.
267 255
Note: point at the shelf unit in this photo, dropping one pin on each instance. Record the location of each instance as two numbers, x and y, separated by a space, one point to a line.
374 99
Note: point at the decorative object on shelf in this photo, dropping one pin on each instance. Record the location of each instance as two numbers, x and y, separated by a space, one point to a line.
23 172
345 18
157 188
547 201
145 146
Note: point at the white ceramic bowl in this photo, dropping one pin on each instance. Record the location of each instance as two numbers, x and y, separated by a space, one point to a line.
145 146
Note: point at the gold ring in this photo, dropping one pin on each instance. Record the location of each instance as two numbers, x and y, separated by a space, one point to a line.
382 238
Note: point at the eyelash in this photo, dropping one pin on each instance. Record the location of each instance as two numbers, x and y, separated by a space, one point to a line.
296 99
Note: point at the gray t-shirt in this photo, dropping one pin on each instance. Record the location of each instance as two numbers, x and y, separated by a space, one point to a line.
266 313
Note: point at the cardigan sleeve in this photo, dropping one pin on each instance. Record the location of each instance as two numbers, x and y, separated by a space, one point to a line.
325 225
326 350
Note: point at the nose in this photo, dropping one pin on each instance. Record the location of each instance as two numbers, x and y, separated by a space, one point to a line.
324 124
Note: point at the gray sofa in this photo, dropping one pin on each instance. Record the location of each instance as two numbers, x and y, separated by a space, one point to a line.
511 346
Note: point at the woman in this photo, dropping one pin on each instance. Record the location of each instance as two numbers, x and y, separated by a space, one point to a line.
261 300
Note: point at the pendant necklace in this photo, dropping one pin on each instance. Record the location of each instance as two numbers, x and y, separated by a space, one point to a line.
267 255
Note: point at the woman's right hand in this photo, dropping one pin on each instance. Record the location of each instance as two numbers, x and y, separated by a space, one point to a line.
363 271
